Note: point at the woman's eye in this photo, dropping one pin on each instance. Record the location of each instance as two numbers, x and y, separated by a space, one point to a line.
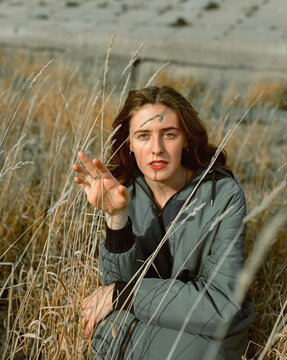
169 135
143 136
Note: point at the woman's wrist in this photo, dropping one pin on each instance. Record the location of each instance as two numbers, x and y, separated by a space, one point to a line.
118 220
123 296
119 240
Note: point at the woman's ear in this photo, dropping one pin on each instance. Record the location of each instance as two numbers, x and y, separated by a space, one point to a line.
130 146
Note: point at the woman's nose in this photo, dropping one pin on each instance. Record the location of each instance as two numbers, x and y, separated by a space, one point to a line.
157 146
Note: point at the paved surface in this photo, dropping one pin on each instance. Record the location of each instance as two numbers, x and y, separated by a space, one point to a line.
195 36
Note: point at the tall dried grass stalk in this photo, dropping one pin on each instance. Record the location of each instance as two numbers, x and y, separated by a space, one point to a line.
20 103
153 77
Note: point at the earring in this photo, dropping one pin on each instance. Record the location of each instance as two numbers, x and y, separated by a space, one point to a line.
186 150
131 153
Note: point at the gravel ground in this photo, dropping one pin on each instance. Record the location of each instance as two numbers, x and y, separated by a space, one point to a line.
200 37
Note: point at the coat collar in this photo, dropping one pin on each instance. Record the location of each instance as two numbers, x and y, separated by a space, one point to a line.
212 175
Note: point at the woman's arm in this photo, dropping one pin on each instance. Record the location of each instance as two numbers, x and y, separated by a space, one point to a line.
120 255
106 193
206 302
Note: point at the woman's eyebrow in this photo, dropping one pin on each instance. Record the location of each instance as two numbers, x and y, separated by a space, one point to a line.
162 130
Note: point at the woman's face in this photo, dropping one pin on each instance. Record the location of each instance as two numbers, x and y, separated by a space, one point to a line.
157 144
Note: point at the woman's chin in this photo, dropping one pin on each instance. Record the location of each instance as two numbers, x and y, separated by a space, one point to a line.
158 176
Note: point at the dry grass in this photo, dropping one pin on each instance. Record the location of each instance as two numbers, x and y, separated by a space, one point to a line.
49 235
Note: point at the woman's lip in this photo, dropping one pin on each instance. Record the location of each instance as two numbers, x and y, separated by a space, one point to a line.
157 161
157 165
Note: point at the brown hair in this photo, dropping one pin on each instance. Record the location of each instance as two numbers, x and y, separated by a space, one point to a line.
199 152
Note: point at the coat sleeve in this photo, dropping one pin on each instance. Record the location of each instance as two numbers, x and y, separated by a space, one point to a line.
205 302
120 255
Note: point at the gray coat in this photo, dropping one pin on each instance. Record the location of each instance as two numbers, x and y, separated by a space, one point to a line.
186 296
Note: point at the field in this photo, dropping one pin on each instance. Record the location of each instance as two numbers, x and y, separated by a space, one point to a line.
49 235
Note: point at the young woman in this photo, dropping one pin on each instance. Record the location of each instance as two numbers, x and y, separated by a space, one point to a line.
173 300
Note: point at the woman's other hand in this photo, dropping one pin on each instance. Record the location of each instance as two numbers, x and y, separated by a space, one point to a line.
102 189
96 307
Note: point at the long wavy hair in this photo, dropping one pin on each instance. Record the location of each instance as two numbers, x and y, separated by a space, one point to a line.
199 150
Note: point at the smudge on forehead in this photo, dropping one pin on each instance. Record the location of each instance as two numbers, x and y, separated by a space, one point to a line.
161 116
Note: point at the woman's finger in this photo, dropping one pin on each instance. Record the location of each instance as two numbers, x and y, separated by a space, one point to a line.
95 294
89 310
84 319
83 184
87 302
122 190
105 172
90 315
85 173
90 323
88 164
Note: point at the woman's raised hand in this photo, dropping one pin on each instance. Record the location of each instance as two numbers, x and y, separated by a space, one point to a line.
102 189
